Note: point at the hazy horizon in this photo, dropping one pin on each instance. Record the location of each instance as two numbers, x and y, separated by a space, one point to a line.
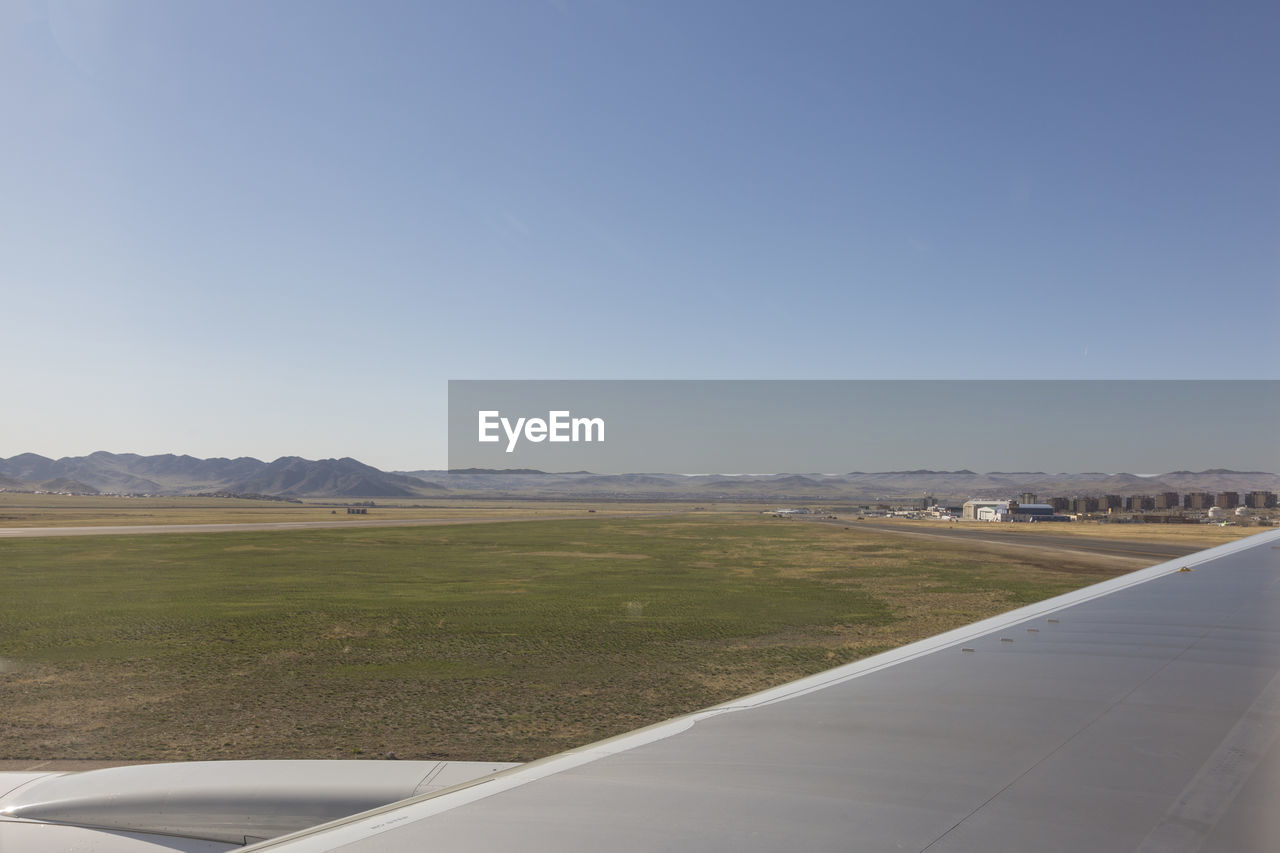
798 472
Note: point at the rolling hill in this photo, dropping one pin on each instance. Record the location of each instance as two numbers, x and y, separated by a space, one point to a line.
295 477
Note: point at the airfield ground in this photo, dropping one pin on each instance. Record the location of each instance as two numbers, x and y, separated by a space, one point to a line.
20 509
501 641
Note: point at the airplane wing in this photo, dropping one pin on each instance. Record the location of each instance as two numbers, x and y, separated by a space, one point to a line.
1138 714
205 806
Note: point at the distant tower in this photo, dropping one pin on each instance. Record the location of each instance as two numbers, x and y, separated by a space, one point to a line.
1197 500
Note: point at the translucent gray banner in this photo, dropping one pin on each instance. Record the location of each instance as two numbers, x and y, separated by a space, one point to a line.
839 426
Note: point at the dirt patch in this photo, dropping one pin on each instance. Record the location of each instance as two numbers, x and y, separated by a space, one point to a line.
343 631
586 555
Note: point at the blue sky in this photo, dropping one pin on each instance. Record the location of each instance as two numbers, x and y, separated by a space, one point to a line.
260 229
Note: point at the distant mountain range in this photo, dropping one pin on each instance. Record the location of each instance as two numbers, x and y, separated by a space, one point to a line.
167 474
295 477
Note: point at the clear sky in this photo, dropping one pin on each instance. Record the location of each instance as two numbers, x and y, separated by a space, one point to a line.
245 228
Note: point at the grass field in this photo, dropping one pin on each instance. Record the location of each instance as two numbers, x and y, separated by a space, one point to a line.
503 641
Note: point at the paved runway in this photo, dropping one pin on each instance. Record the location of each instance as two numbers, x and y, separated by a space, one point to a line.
255 527
1153 551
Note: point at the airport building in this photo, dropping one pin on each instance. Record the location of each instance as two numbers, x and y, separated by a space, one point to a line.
1033 512
993 513
971 509
986 510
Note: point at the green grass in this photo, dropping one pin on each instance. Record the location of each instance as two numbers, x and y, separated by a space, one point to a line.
497 641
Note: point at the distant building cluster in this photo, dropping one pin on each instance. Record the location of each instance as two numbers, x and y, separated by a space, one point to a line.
1166 506
1001 510
1225 508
